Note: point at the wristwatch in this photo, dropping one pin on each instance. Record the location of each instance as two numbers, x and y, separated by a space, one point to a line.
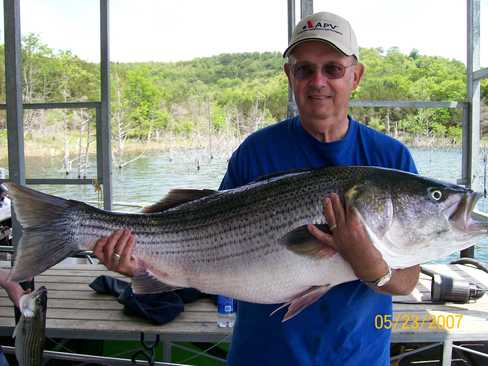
383 280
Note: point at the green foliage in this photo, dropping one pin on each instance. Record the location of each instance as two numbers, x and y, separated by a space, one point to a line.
238 91
377 124
412 125
217 116
394 76
484 90
455 132
438 129
53 76
184 126
143 101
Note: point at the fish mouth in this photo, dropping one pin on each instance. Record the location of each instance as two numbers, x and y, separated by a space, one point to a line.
460 214
40 295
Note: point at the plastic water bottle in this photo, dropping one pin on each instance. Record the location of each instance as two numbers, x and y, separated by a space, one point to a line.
226 312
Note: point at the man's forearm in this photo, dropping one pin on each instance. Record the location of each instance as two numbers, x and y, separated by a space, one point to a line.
402 281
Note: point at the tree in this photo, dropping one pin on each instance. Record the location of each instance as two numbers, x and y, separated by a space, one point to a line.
144 103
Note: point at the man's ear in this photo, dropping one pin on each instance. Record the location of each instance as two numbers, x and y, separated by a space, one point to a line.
287 70
358 75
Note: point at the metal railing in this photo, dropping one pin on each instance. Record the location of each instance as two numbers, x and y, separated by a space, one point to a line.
71 105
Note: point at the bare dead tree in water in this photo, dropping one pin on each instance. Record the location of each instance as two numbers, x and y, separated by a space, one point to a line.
210 129
66 155
84 141
118 118
256 116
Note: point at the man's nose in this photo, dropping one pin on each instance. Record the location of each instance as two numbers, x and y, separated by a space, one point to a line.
318 77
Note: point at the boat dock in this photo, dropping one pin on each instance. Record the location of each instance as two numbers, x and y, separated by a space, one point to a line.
75 311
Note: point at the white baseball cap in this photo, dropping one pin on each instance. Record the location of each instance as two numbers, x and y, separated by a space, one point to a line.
326 27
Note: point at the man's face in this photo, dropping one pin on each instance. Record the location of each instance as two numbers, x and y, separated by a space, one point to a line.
318 95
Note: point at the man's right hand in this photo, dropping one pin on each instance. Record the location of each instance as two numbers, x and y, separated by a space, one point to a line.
115 252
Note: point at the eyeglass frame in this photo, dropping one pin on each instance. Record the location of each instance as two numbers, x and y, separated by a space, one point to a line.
328 76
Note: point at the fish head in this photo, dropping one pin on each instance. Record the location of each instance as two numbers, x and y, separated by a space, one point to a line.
34 304
413 219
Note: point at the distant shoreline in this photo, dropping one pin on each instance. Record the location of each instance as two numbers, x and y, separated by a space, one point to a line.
224 143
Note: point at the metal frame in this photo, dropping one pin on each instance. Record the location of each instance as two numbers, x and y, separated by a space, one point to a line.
15 126
71 105
471 130
292 106
14 108
104 147
306 8
471 127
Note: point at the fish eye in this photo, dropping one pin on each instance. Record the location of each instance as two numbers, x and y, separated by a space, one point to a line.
435 194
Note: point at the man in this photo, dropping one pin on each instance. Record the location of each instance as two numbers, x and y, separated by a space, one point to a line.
322 70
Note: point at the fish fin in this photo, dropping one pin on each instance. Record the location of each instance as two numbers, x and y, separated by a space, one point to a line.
17 328
43 242
177 197
279 308
300 241
279 174
146 282
301 301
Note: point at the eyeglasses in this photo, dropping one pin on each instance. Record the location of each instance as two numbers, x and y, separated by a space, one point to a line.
331 70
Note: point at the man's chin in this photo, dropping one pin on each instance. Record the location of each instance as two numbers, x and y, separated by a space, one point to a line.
319 115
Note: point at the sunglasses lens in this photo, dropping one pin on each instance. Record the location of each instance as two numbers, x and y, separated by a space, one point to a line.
330 70
303 72
333 71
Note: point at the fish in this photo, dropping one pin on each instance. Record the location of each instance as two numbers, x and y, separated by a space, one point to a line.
29 333
252 243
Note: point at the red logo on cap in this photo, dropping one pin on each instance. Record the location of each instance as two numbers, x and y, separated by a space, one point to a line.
309 24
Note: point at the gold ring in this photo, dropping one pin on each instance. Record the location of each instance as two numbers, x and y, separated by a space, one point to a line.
332 227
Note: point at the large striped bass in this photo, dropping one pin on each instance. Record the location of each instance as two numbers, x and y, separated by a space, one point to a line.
30 330
252 243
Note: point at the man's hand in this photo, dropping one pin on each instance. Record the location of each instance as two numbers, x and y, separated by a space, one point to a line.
13 289
14 292
115 252
350 239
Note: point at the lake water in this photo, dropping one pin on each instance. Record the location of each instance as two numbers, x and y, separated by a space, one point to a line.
149 178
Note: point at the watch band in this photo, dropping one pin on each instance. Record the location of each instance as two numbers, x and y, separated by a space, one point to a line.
383 280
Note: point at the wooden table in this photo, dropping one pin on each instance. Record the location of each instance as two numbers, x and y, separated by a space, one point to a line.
76 312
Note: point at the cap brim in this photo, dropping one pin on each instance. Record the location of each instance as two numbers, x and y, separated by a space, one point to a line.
299 42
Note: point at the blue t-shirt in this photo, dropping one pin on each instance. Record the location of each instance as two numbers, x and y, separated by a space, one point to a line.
339 328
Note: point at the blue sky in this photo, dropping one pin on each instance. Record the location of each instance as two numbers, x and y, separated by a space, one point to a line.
163 30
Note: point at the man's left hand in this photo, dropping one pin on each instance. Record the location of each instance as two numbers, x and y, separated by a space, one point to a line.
349 237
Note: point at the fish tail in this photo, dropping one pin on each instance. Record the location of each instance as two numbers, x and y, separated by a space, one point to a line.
44 241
